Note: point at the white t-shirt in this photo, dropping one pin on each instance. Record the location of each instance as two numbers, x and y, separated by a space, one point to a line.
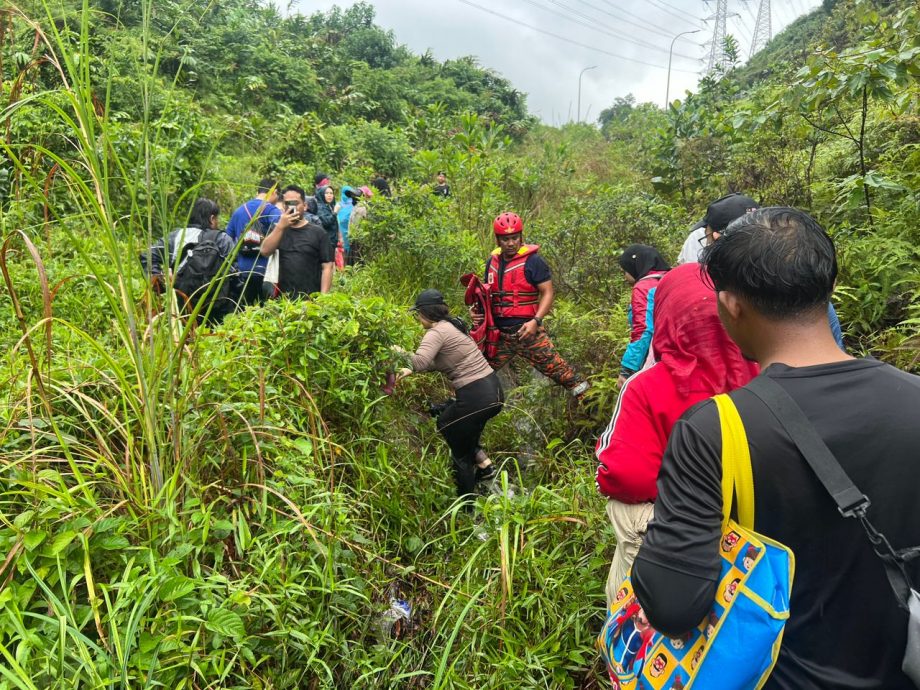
690 252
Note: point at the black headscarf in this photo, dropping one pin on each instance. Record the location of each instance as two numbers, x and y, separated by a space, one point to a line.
638 260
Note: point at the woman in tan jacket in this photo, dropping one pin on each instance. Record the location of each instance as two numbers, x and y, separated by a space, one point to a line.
448 348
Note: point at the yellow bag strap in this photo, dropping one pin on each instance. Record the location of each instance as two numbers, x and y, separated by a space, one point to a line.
737 476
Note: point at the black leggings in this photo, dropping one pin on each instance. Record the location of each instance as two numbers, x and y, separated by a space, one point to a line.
462 422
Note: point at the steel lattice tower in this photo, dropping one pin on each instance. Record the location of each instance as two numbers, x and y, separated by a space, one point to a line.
763 30
717 45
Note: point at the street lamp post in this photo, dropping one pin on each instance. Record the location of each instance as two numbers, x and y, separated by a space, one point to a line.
579 90
667 91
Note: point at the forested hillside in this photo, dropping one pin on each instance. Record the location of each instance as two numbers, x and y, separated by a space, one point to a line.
236 507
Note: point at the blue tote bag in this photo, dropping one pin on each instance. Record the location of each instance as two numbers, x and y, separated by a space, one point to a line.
735 647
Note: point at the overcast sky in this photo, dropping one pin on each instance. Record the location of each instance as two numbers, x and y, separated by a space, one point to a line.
627 40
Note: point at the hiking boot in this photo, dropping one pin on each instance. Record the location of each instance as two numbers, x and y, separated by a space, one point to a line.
484 474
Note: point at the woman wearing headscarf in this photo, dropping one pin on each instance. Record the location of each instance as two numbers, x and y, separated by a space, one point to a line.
325 209
642 268
447 347
694 360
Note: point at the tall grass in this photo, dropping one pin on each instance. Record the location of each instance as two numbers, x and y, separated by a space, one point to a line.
193 508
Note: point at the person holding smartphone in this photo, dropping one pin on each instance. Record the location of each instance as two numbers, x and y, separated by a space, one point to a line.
305 255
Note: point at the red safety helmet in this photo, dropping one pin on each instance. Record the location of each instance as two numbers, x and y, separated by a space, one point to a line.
508 223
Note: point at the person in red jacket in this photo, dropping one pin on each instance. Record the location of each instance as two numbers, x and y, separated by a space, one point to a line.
642 268
521 288
695 359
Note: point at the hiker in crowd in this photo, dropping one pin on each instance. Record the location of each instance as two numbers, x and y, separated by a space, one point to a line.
729 208
448 348
252 221
358 208
845 628
441 188
311 209
379 182
325 209
198 254
358 214
694 360
343 211
694 244
521 287
642 268
305 257
320 179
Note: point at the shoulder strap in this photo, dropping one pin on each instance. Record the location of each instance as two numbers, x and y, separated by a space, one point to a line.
737 476
851 502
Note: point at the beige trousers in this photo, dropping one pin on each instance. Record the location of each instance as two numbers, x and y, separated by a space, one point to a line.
629 521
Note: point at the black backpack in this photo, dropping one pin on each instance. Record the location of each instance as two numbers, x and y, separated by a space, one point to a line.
200 262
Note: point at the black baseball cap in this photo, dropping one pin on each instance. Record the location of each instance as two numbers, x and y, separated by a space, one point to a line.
428 298
722 212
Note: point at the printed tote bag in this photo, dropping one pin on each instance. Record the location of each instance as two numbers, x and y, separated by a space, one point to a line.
735 647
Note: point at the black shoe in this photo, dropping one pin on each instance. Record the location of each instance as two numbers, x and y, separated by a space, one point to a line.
484 474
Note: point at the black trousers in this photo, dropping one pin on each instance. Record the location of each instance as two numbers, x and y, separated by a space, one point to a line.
462 423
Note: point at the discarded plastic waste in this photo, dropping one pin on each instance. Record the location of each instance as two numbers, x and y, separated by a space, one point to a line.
390 623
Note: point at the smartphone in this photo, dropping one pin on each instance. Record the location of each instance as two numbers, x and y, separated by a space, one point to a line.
291 206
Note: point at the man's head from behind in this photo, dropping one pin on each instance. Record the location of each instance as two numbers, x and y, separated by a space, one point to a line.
269 188
775 264
723 211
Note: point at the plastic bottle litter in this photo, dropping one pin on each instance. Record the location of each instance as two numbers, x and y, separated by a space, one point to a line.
391 622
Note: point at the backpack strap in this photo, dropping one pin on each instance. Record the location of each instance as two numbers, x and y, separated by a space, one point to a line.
851 502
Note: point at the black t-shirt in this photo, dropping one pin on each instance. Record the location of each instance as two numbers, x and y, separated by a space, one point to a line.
442 190
845 629
536 271
302 253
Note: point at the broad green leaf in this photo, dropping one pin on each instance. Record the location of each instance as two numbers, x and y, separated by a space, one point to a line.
176 587
226 623
33 540
111 542
62 541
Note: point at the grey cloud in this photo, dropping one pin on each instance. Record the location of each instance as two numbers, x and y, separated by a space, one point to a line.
547 68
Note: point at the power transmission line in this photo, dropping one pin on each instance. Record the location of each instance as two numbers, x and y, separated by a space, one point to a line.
569 40
644 20
644 27
741 31
590 23
663 2
747 6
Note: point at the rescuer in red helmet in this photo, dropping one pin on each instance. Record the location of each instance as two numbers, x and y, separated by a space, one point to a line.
521 295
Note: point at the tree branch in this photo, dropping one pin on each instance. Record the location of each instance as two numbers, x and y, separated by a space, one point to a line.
829 131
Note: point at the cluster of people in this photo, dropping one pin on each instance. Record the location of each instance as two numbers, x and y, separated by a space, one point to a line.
751 297
283 241
507 306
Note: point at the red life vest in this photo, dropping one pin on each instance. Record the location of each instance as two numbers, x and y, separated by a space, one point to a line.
512 296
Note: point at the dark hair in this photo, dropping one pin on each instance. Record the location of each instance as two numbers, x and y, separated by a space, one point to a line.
441 312
778 258
311 205
266 184
294 188
202 212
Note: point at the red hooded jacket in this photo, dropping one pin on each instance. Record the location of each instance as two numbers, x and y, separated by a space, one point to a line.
695 360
